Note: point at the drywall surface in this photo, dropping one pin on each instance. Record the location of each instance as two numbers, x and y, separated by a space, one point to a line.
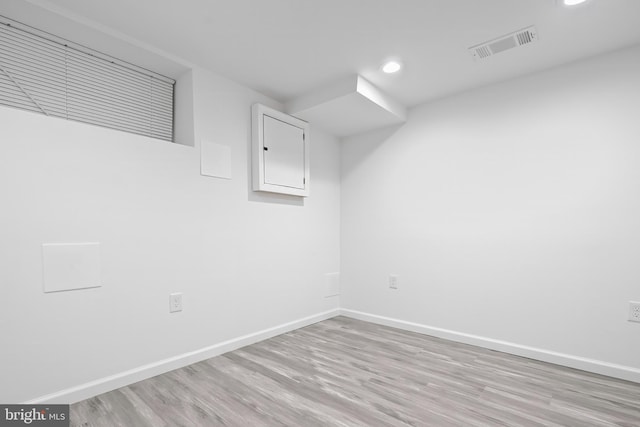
510 212
243 262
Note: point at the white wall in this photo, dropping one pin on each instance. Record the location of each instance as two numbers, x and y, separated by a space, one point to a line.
245 263
511 213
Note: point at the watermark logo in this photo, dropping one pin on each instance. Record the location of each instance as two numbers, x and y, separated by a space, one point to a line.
34 415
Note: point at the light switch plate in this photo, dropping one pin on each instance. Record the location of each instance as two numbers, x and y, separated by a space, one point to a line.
69 266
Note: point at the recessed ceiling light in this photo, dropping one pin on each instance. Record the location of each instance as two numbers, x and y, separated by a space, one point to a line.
391 67
573 2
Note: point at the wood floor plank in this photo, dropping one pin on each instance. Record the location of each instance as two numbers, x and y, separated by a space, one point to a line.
345 372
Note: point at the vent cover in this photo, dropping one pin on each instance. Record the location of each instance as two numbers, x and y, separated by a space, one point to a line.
509 41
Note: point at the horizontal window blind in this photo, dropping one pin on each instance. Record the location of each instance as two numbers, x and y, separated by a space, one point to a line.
48 76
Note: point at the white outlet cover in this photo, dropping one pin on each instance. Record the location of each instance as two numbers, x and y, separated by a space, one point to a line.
393 281
175 302
634 311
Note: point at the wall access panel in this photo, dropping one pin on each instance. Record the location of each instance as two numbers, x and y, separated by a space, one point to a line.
280 152
69 266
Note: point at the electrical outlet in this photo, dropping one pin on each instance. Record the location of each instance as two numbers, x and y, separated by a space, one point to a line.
393 281
634 311
175 302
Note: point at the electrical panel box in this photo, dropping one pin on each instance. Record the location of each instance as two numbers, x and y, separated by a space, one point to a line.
280 145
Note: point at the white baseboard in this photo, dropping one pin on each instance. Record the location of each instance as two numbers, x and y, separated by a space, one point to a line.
584 364
103 385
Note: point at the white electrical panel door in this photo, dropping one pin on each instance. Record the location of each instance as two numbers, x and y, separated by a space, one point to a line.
283 154
280 152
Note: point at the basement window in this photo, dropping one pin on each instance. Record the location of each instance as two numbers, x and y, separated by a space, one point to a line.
45 74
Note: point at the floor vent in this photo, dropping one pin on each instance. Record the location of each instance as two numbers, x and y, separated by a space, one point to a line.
519 38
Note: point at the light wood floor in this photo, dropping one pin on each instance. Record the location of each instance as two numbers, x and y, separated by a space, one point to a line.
344 372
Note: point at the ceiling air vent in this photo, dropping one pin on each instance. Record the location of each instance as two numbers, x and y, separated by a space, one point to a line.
509 41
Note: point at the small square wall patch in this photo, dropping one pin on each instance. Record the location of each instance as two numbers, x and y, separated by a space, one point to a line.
68 266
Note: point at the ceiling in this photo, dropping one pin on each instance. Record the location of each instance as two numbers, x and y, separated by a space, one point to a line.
286 48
